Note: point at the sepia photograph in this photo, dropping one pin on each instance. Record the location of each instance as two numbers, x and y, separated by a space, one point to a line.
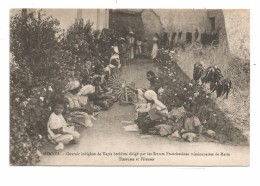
129 87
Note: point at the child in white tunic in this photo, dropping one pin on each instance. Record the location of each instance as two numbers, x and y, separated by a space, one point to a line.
58 130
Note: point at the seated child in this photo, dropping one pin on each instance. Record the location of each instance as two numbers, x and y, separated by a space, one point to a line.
192 126
191 121
58 129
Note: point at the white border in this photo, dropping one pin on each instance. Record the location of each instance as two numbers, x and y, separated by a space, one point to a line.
129 176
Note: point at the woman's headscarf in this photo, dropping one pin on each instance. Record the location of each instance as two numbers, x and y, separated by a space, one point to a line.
72 85
152 96
87 89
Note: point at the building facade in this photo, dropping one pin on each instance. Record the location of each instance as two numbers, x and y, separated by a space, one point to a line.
233 26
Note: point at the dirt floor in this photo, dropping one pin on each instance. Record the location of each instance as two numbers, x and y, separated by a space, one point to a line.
106 143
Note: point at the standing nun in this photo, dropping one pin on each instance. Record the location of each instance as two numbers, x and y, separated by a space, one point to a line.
155 46
131 41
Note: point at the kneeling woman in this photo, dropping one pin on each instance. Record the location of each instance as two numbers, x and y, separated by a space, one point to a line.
100 98
154 114
80 111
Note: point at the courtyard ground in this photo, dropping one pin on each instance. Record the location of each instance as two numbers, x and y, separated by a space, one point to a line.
107 143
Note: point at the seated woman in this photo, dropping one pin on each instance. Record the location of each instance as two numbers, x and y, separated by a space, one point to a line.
153 114
115 63
150 75
100 98
58 130
80 112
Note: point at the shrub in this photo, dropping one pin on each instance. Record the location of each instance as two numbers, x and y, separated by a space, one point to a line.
43 60
37 78
78 50
180 90
34 43
106 39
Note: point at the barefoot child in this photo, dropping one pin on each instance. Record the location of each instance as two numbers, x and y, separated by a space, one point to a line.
58 130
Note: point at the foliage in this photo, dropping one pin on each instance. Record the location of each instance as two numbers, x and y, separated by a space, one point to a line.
78 50
180 90
239 71
34 43
177 83
106 39
23 145
43 60
234 68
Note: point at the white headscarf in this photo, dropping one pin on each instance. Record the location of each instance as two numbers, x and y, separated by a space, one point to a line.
152 96
116 49
87 89
72 85
107 69
140 96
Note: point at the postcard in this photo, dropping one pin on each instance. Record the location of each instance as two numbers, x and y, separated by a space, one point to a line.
129 87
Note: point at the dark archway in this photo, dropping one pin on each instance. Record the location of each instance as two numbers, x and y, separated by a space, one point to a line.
122 20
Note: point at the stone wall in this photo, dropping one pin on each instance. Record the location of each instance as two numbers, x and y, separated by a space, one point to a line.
185 20
237 23
233 25
152 23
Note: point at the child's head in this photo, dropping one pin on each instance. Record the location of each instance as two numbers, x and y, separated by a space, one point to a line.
58 107
179 100
97 81
86 80
115 62
99 69
150 75
190 109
